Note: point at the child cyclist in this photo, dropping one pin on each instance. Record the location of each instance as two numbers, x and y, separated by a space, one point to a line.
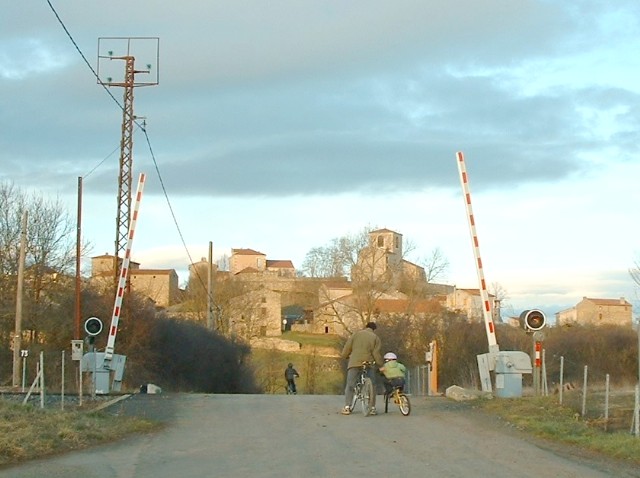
290 375
393 371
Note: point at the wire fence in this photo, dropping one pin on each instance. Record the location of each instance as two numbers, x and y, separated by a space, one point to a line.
51 379
593 398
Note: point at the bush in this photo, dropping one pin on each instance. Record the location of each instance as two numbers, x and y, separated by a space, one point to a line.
184 356
609 350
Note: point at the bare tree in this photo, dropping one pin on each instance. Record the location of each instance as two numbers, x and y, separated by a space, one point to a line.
223 262
338 258
49 257
435 265
501 298
375 271
635 272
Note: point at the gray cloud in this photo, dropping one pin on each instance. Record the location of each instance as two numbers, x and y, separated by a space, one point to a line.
297 98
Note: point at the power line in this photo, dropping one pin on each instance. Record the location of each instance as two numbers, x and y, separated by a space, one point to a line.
100 163
141 126
82 55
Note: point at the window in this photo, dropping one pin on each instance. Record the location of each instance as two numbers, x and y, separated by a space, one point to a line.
380 241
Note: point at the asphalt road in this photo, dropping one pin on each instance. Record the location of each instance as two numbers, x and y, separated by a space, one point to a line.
305 435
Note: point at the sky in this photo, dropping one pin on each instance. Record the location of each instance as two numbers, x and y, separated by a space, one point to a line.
280 125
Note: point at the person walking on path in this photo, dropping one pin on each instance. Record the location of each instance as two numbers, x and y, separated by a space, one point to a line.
363 346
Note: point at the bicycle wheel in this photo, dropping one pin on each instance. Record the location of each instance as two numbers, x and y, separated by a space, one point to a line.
367 396
404 404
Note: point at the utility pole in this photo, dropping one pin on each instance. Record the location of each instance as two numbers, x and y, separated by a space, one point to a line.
17 338
76 333
210 321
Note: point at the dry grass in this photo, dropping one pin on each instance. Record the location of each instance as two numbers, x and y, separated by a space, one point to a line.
545 418
27 432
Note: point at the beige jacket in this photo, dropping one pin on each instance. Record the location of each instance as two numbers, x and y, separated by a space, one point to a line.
363 346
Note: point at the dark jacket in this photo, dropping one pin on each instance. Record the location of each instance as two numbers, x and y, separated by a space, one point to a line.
290 373
363 346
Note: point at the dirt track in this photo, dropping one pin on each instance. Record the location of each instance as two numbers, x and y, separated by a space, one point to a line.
280 435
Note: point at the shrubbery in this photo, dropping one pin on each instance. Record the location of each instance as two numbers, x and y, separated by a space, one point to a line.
184 356
176 355
609 350
181 355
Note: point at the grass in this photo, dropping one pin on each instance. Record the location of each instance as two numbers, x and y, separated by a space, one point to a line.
316 340
318 375
27 432
545 418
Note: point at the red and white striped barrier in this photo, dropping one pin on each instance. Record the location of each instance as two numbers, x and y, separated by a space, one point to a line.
122 280
484 294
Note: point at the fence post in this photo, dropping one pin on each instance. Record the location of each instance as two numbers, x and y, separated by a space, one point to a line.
545 384
561 377
24 373
62 384
41 379
636 412
606 402
584 391
80 382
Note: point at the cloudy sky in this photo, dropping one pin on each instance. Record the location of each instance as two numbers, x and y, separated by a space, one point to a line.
280 125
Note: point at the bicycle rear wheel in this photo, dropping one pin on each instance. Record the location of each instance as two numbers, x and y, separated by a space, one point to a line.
404 404
367 396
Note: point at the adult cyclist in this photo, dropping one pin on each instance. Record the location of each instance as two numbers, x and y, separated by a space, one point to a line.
363 346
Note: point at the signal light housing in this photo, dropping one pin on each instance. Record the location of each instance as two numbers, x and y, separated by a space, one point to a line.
93 326
532 320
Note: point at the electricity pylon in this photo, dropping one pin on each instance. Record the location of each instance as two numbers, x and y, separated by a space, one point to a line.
129 82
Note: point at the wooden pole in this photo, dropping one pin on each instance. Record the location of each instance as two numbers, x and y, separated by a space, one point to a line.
17 337
78 313
210 288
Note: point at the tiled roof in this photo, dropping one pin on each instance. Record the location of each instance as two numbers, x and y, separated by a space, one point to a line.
620 301
285 264
246 252
151 271
384 229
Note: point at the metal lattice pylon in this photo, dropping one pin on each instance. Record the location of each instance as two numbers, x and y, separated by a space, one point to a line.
126 163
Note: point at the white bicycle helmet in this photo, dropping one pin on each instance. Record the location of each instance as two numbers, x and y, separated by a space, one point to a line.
390 356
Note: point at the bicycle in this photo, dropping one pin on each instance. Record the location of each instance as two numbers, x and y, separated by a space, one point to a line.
291 389
399 398
363 390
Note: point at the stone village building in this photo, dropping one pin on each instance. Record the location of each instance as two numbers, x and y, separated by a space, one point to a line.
158 285
592 311
270 290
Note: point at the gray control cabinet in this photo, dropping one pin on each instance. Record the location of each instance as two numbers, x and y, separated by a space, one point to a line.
509 367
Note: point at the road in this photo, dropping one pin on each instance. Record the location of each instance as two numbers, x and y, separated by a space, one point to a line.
305 435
